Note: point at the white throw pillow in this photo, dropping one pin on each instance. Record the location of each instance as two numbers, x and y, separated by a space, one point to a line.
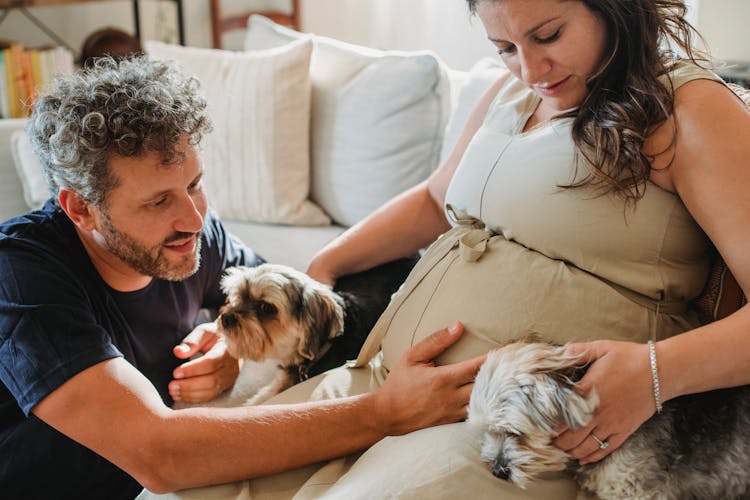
29 169
378 119
257 158
481 76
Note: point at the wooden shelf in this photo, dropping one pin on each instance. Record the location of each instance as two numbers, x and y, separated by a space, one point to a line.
23 5
10 4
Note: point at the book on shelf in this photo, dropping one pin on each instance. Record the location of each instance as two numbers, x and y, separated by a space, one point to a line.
4 106
25 72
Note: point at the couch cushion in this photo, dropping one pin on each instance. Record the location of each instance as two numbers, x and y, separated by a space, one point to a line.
290 245
29 170
11 190
257 158
378 119
480 78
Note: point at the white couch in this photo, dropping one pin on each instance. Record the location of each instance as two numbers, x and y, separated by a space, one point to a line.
348 86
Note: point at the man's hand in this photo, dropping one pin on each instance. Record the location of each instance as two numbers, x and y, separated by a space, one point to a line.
418 394
204 378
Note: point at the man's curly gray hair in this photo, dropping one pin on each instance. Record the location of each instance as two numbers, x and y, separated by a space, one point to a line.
124 108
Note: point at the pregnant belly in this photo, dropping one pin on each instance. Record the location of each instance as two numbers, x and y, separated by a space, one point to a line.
503 291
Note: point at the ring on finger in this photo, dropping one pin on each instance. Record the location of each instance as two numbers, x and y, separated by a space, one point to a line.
603 444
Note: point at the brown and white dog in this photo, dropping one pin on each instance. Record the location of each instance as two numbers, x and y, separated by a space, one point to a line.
276 312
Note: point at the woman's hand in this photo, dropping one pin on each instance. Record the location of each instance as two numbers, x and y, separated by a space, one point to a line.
620 372
204 378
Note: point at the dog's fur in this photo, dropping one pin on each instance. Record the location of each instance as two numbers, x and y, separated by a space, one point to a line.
276 312
696 448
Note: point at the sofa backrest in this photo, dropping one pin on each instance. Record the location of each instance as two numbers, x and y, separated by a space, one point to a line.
11 191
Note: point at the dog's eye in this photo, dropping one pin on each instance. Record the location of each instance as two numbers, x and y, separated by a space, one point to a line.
266 309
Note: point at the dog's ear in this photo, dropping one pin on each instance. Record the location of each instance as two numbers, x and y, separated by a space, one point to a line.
233 279
552 404
550 388
323 317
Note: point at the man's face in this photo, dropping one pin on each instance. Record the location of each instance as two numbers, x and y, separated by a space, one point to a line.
153 217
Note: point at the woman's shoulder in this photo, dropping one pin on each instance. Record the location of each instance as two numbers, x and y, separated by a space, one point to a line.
701 97
687 70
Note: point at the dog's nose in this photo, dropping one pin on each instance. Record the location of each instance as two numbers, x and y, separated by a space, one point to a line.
500 467
228 320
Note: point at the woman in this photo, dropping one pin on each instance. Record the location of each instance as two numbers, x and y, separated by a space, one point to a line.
609 164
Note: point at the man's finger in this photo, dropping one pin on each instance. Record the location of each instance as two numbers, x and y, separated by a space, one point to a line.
209 363
464 372
201 339
195 393
201 366
432 346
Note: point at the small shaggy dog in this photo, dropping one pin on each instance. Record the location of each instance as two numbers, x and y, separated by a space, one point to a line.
696 448
276 312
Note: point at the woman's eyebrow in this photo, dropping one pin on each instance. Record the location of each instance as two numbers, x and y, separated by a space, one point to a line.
529 32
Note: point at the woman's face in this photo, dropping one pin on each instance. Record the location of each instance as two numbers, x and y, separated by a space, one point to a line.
554 46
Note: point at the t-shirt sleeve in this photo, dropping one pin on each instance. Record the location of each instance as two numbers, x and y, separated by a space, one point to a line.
49 330
220 250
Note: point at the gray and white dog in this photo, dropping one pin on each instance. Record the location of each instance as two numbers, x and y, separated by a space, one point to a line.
698 447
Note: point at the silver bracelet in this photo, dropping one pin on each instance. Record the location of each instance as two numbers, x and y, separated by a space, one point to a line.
654 375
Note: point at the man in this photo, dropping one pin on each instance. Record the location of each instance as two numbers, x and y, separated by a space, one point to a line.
99 285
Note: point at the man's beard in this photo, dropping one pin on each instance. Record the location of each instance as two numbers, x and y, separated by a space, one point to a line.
151 261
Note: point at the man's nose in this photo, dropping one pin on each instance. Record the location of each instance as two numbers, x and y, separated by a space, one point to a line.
189 218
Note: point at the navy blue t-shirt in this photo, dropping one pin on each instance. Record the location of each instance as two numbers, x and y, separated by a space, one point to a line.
57 318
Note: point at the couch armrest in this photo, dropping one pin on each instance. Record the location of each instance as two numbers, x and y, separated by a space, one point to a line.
11 191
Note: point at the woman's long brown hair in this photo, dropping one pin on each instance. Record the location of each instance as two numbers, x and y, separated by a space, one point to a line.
631 94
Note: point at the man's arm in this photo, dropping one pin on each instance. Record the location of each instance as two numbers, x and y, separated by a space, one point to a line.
114 410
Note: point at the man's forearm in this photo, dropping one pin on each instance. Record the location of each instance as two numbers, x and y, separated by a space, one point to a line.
199 450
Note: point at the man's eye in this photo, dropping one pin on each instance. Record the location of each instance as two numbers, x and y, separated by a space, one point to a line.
161 201
195 186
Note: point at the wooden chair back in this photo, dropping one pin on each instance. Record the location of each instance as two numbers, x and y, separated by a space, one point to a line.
221 23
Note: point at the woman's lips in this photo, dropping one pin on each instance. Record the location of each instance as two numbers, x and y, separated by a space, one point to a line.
551 90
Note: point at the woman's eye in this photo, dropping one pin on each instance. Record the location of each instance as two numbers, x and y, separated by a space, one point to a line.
506 50
554 36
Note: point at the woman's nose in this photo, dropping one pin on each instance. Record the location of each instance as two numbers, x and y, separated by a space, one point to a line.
535 66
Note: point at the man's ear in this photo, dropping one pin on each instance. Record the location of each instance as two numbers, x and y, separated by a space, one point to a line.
77 209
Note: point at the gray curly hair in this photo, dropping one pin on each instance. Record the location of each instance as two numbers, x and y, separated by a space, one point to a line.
125 108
